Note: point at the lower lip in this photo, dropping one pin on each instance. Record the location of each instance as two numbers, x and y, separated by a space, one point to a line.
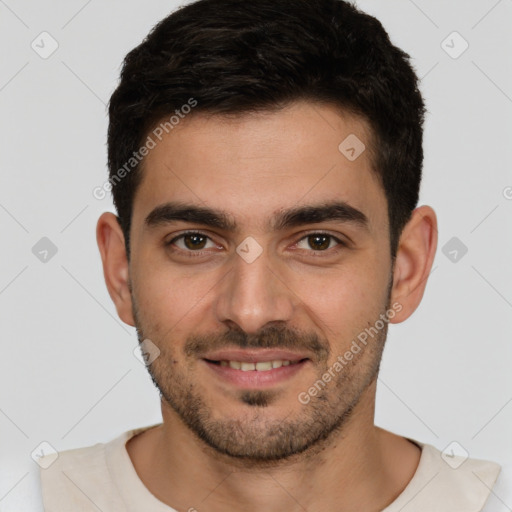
256 379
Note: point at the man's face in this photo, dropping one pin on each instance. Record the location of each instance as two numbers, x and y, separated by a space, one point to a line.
270 287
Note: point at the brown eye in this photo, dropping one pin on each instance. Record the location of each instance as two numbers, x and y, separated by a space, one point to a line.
191 242
194 241
319 242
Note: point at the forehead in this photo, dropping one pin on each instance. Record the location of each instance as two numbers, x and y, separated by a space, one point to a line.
253 166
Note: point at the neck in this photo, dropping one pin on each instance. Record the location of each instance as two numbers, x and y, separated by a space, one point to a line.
359 467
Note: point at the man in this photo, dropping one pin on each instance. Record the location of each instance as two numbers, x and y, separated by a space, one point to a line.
265 162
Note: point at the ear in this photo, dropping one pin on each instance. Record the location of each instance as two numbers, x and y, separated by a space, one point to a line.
415 255
110 238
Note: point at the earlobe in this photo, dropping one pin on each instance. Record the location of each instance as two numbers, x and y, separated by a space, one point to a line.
415 255
110 238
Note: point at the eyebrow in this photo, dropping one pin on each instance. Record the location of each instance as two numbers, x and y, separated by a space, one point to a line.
339 211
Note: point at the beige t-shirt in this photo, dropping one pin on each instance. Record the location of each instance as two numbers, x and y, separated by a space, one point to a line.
102 477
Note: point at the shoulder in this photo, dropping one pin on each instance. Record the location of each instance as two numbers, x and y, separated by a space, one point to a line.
81 478
58 470
449 481
500 499
72 479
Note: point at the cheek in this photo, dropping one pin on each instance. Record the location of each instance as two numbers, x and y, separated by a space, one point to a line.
168 297
344 301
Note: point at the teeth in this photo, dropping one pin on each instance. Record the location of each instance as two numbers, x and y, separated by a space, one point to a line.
261 366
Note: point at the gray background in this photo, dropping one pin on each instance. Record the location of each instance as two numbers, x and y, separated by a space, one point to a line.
68 375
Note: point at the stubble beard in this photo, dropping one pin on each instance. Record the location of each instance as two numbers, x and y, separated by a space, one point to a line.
252 437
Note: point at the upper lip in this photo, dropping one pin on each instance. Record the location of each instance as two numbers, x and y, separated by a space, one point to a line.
254 356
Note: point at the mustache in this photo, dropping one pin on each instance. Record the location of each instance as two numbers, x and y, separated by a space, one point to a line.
270 337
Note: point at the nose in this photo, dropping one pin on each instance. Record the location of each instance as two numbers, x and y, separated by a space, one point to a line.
253 295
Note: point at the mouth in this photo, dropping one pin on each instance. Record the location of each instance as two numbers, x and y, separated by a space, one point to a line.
255 369
258 366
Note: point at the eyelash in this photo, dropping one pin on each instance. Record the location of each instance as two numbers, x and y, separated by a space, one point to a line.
316 253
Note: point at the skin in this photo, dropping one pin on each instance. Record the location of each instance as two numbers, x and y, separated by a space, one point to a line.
253 167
